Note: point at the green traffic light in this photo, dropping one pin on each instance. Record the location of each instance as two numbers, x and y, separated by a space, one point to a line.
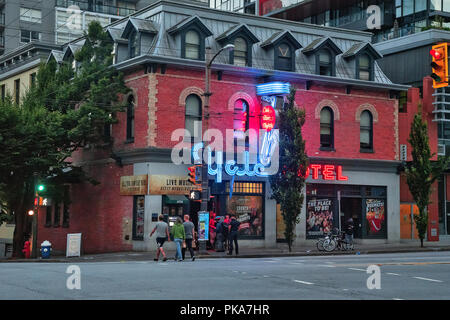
41 187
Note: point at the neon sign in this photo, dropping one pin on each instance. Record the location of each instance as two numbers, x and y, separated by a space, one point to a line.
273 88
268 118
327 171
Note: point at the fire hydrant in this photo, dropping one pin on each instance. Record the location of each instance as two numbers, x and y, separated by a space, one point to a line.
27 249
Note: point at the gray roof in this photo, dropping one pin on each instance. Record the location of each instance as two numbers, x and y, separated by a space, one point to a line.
169 17
58 55
234 29
319 42
141 25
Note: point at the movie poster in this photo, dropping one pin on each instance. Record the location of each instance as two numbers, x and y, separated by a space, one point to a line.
375 215
203 225
248 211
319 217
139 218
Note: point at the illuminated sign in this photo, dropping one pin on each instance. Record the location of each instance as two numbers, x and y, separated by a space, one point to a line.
327 171
273 88
268 118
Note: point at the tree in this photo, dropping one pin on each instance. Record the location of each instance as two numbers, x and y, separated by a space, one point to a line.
421 172
287 185
65 110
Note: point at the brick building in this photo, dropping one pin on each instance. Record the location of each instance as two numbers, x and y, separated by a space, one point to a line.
351 129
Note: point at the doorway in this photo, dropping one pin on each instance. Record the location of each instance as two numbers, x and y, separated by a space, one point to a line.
352 208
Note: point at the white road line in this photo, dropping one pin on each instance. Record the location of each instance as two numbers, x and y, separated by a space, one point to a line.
304 282
265 276
356 269
427 279
397 299
269 261
326 265
297 263
392 274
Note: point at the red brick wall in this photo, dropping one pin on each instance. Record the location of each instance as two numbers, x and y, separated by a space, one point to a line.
96 211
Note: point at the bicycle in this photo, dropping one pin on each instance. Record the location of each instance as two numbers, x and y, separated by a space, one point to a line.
342 243
321 241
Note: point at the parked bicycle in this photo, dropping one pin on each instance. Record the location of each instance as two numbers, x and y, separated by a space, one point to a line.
325 240
336 240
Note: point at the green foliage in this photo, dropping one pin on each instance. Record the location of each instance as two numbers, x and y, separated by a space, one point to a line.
421 173
287 185
65 110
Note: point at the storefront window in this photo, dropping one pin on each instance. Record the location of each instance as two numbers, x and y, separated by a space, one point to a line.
446 5
247 204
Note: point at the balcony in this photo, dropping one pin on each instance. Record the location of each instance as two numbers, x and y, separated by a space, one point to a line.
89 6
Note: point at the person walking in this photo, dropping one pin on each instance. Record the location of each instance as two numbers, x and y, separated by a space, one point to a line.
178 236
233 235
212 229
162 235
219 234
225 229
189 231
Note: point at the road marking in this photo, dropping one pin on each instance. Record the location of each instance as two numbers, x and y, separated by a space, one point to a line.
344 289
397 299
326 265
427 279
243 272
356 269
304 282
297 263
392 274
269 261
265 276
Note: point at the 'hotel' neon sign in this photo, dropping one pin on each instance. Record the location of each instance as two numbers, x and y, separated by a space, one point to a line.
327 171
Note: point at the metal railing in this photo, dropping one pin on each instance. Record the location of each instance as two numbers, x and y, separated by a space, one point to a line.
86 6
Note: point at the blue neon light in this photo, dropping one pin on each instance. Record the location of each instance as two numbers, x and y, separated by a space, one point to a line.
273 88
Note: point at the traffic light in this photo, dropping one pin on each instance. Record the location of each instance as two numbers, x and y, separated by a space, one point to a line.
40 188
194 195
439 65
194 174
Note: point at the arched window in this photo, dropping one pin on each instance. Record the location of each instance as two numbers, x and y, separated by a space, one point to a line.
241 118
240 52
130 119
193 116
284 57
366 130
365 68
325 63
326 128
192 45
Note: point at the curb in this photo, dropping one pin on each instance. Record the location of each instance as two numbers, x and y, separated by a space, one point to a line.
293 254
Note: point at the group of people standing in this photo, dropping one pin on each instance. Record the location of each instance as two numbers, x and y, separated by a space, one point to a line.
223 233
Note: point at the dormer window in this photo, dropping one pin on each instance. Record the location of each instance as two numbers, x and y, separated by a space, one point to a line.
363 56
365 67
192 45
284 45
284 57
242 39
325 64
240 52
323 52
133 45
191 33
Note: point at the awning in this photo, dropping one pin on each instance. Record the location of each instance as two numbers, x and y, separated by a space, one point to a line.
175 199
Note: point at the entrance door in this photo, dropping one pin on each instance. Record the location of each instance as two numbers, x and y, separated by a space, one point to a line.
408 228
352 208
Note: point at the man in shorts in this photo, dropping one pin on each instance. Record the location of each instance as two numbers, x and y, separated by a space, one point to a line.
162 235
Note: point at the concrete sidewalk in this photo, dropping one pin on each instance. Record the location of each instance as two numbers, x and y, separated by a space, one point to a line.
282 251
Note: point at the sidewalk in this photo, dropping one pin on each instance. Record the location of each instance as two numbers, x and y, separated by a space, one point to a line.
403 247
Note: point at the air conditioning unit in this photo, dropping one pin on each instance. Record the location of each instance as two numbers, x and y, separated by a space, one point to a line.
403 152
441 150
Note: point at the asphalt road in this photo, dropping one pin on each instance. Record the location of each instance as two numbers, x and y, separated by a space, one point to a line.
402 276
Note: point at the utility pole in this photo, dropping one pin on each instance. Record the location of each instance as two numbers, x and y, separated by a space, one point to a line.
205 113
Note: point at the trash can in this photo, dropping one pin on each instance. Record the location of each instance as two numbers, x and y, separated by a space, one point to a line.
46 248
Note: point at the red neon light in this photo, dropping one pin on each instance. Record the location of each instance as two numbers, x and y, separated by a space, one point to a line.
339 175
268 118
315 170
328 172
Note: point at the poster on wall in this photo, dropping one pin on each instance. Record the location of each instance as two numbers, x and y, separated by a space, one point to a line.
139 218
248 211
375 215
171 185
203 225
73 247
319 217
133 185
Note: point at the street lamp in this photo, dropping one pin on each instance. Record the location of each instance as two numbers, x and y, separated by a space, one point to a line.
207 94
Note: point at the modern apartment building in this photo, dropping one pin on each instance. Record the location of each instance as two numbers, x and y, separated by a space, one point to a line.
397 18
56 21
